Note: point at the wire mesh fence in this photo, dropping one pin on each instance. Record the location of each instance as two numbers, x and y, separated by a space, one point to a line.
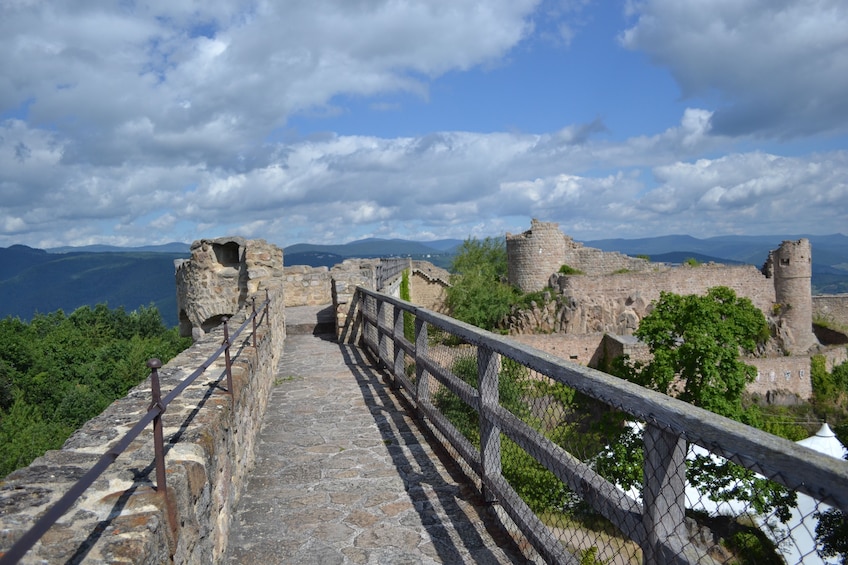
595 470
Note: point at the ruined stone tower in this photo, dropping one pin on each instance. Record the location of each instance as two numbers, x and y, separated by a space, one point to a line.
533 256
790 267
220 275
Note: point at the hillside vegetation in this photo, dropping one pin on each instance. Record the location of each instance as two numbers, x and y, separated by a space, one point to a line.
59 371
33 281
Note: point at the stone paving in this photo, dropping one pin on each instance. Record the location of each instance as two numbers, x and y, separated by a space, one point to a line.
342 475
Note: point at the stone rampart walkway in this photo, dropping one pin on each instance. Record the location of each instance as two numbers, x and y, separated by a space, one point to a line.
342 475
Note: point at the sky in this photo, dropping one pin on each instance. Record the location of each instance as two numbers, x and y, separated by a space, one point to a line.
138 122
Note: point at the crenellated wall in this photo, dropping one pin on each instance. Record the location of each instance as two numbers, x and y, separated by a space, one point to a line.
428 286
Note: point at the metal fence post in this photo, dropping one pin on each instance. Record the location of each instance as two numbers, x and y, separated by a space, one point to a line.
253 309
490 433
227 357
158 437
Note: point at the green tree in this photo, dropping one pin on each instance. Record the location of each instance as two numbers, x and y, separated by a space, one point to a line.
58 371
832 535
696 343
697 340
478 293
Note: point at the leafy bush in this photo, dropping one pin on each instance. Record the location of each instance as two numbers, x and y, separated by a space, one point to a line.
569 270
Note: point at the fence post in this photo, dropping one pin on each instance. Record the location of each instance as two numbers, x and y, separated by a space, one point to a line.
158 438
490 433
663 494
422 385
397 333
253 309
370 328
227 357
382 348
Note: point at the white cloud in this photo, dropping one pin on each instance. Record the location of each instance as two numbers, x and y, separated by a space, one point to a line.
122 122
768 191
777 67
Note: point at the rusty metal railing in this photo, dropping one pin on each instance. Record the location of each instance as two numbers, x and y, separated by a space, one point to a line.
154 415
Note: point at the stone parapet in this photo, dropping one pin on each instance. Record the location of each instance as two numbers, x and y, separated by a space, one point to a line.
345 278
209 442
831 308
307 286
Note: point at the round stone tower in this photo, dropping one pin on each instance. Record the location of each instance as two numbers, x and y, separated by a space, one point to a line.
533 256
792 269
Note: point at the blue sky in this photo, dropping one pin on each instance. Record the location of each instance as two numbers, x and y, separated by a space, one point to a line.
137 123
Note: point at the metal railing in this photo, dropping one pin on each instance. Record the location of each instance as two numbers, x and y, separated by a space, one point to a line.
154 416
543 474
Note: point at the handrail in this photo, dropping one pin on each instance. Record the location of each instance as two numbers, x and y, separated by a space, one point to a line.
656 521
154 413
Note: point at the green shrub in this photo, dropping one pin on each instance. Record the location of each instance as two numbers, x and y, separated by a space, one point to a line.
569 270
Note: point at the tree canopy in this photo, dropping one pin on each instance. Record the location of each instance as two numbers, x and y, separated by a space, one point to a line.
58 371
696 342
478 293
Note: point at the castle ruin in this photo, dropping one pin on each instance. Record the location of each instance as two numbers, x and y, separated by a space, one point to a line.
614 291
591 316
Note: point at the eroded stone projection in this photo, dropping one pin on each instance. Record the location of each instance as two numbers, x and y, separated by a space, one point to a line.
220 277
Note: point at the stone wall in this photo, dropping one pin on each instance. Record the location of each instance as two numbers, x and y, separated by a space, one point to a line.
533 256
209 442
307 286
582 349
597 262
616 303
428 286
593 350
833 308
345 277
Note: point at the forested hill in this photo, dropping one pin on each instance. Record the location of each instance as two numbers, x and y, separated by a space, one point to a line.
33 280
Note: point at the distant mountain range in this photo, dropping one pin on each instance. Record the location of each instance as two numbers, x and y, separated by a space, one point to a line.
438 252
33 280
36 280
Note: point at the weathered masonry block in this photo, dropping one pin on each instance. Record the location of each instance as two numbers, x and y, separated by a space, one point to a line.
307 286
218 278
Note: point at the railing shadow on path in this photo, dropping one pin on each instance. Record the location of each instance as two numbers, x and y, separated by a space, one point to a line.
390 411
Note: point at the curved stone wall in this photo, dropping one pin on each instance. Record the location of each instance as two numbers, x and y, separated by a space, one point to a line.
791 267
534 255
